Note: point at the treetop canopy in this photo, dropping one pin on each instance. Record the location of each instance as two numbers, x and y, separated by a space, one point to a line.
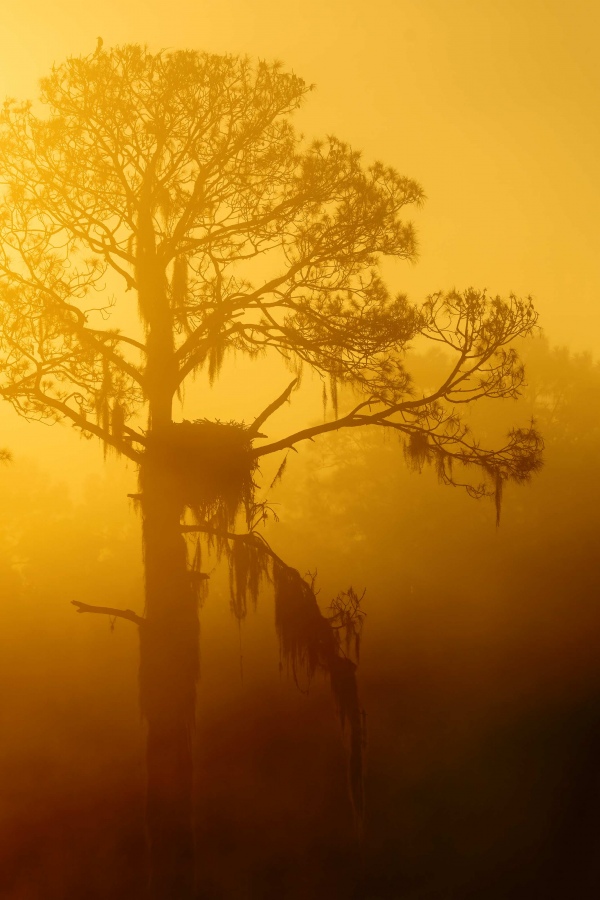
179 178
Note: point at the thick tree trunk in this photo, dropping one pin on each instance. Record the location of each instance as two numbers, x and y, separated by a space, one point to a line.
169 638
169 649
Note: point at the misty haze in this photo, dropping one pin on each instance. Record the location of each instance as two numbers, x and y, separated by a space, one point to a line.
300 387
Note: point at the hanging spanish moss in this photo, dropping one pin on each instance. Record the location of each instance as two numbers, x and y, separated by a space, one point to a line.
216 355
280 471
334 393
310 642
248 566
179 292
417 451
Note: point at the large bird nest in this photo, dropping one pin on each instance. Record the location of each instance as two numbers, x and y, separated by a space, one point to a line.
206 465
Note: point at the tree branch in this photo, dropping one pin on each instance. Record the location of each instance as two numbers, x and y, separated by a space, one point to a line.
271 408
250 537
109 611
308 433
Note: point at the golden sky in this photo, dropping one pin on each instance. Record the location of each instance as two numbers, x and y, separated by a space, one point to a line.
491 106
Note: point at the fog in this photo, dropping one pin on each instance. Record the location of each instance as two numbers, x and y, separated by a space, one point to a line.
341 664
479 675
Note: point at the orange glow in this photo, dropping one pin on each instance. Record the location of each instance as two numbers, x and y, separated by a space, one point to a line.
478 668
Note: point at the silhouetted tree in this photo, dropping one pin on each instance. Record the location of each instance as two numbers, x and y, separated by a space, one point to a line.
162 212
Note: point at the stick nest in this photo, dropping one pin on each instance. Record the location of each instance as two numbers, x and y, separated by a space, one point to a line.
208 466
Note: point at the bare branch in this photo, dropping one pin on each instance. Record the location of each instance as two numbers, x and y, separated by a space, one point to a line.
128 614
307 434
272 408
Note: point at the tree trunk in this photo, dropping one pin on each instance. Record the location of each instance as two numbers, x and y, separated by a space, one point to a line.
169 637
169 654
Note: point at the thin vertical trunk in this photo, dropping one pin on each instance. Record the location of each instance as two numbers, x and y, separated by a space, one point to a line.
157 315
168 673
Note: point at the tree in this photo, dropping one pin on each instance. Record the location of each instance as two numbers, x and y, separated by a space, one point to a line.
176 182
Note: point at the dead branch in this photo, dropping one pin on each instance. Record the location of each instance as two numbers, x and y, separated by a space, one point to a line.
128 614
271 408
